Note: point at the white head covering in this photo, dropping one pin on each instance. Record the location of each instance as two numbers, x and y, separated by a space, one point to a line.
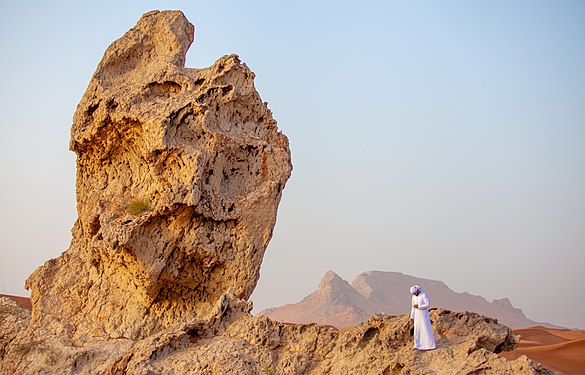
414 288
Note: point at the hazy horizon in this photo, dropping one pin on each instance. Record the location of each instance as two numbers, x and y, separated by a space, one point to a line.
441 140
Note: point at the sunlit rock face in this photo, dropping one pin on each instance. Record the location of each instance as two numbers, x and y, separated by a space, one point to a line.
179 176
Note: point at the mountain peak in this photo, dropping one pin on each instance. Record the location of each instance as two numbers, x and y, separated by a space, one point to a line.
332 286
330 278
330 275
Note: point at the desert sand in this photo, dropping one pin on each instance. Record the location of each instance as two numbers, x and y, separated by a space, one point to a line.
558 349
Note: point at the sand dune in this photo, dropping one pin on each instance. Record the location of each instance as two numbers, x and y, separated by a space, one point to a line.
558 349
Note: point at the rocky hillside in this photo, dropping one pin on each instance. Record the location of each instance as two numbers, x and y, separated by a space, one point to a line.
340 304
179 175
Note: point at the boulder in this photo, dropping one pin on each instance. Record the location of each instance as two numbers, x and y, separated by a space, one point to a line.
179 175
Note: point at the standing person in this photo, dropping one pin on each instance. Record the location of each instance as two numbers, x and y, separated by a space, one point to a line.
419 315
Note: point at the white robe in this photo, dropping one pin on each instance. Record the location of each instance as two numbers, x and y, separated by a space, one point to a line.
423 330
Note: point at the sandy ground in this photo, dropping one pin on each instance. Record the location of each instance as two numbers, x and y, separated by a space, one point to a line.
559 349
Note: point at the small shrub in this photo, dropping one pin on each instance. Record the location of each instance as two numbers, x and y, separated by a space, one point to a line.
24 348
50 355
138 206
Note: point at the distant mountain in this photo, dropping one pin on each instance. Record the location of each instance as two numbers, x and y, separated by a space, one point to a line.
340 304
335 303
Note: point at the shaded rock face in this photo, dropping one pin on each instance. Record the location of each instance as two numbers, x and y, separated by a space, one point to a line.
179 175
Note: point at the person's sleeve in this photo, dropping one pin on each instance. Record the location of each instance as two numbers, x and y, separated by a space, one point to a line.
424 303
411 310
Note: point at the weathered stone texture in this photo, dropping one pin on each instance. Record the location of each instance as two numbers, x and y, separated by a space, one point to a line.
231 341
13 319
199 154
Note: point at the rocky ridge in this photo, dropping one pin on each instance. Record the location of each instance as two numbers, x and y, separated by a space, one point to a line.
231 341
179 176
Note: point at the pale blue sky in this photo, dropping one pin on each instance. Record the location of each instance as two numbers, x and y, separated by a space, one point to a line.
444 140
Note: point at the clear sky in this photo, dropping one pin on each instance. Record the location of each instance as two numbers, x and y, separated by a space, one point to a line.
444 140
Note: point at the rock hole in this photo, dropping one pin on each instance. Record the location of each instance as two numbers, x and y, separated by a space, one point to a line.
226 90
193 332
370 334
94 226
166 88
92 108
111 105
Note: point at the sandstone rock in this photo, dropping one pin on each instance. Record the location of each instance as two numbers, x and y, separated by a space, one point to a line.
467 344
23 302
231 341
179 175
13 320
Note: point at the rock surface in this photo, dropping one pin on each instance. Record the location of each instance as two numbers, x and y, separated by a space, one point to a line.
179 175
231 341
338 303
20 301
13 320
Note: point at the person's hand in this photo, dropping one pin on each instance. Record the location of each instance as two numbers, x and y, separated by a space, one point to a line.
411 321
415 306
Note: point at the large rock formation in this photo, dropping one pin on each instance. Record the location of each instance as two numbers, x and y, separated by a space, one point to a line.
338 303
179 175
